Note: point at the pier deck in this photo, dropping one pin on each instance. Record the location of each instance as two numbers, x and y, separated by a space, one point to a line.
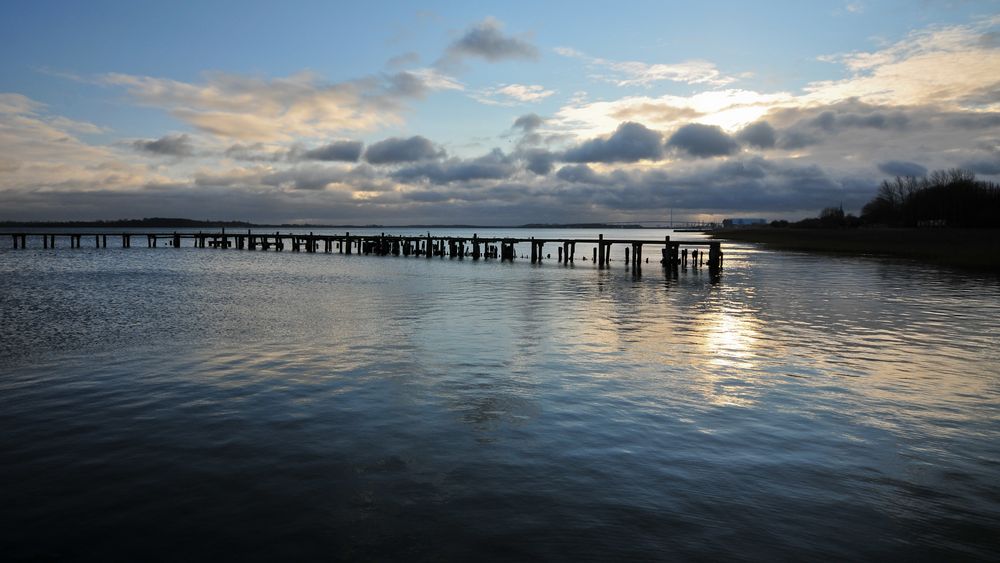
673 253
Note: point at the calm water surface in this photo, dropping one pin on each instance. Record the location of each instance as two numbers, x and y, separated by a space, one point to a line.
195 404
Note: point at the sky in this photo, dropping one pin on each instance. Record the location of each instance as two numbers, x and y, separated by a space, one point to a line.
401 113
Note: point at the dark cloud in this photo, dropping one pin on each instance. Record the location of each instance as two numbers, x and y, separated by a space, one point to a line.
754 168
791 140
631 142
487 41
902 168
406 85
796 128
985 96
703 141
403 60
985 120
759 134
305 178
318 193
539 161
341 151
984 166
832 121
528 122
256 152
580 174
169 145
396 150
492 166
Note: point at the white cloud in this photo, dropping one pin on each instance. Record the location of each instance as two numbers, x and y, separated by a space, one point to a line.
635 73
40 151
940 65
729 109
249 108
512 94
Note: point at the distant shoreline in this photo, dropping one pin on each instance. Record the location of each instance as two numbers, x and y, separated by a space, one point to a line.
974 249
178 223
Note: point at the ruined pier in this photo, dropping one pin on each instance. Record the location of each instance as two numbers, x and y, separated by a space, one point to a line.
673 253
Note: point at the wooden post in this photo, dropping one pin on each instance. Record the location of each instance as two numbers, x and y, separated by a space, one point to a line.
429 246
600 250
534 251
715 257
626 254
476 254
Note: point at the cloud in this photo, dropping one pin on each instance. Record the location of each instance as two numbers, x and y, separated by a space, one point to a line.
830 120
492 166
419 82
250 108
581 174
703 141
989 166
396 150
256 152
902 168
343 151
635 73
898 108
403 60
512 94
528 122
538 161
759 134
730 109
654 112
792 140
939 65
630 142
40 152
170 145
485 40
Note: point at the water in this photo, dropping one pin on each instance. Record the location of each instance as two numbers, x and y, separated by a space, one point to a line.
197 403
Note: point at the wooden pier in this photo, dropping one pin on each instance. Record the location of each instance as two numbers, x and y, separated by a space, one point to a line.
673 253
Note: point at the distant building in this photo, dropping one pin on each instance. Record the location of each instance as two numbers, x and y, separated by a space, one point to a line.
742 222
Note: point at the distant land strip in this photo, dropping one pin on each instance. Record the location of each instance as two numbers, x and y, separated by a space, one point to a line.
179 223
975 249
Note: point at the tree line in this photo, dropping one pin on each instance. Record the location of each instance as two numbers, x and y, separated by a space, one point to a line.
944 198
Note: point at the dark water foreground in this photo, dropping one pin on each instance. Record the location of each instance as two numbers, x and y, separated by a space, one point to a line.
161 404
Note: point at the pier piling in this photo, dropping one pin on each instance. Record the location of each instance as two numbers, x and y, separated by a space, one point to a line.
674 253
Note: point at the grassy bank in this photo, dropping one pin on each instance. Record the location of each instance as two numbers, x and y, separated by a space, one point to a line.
977 249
